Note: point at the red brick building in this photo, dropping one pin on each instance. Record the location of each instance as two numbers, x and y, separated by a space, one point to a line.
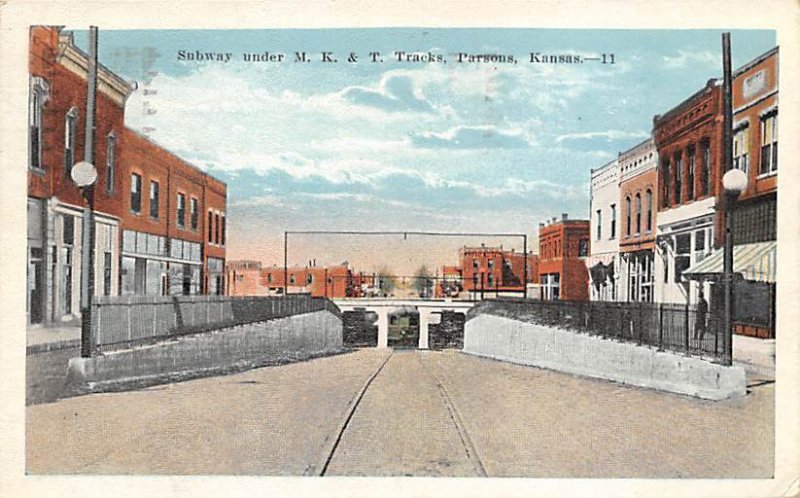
249 278
450 284
243 278
689 141
174 224
754 215
141 247
755 147
563 248
495 270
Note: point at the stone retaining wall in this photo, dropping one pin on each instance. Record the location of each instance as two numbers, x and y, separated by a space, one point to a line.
592 356
235 348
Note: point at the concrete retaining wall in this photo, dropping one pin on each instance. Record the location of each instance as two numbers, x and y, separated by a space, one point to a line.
567 351
236 348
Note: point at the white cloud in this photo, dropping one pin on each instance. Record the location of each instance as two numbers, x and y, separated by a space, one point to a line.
608 135
685 58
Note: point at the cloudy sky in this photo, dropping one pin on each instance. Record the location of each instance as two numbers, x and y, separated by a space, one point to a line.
476 147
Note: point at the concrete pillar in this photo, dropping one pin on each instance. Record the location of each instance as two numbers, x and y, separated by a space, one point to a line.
424 320
383 327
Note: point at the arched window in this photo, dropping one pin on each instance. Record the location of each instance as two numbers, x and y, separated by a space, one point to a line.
39 93
638 214
649 201
70 137
111 161
665 179
627 216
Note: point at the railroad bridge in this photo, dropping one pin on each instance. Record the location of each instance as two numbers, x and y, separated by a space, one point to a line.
428 310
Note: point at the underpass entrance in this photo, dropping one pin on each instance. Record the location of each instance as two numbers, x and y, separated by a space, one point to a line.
404 328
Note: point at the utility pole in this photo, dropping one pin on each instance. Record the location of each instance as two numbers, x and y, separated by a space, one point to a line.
727 146
87 256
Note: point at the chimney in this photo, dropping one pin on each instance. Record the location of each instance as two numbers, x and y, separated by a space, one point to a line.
541 225
564 216
554 219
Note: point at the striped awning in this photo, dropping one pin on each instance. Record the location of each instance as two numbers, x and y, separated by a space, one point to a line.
754 261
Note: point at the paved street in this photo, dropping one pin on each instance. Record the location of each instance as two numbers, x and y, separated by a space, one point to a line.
373 412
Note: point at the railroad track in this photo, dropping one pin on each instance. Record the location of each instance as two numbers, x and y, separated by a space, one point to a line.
320 467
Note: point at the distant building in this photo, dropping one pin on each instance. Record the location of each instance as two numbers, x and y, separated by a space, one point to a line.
639 200
495 271
250 278
450 284
243 279
563 249
604 261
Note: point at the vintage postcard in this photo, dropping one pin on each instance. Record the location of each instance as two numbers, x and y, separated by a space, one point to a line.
373 247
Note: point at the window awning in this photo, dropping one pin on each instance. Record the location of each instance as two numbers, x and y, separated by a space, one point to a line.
754 261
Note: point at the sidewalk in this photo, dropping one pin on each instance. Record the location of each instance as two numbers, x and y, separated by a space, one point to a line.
47 338
757 356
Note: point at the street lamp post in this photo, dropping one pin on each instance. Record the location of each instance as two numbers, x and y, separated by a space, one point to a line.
84 174
734 182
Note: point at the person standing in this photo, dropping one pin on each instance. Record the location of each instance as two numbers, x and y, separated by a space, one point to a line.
700 317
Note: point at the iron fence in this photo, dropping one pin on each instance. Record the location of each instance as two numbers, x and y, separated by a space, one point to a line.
123 321
670 327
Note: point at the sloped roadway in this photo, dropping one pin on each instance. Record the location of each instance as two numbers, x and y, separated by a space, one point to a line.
417 413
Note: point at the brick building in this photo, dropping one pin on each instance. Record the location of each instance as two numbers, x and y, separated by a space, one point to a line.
563 248
495 270
174 223
243 278
250 278
450 284
124 235
755 148
639 200
688 140
754 215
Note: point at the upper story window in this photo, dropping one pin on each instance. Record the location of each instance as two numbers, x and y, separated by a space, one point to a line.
70 139
111 161
627 216
210 226
474 263
194 213
309 279
181 204
638 214
216 228
599 224
649 203
665 178
705 166
136 193
154 194
741 139
769 143
690 174
39 93
678 177
222 229
490 264
583 248
613 221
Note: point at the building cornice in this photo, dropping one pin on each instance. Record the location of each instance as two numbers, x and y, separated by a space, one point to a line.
72 58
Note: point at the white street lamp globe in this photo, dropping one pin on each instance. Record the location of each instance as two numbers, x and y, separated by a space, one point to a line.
84 174
734 181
